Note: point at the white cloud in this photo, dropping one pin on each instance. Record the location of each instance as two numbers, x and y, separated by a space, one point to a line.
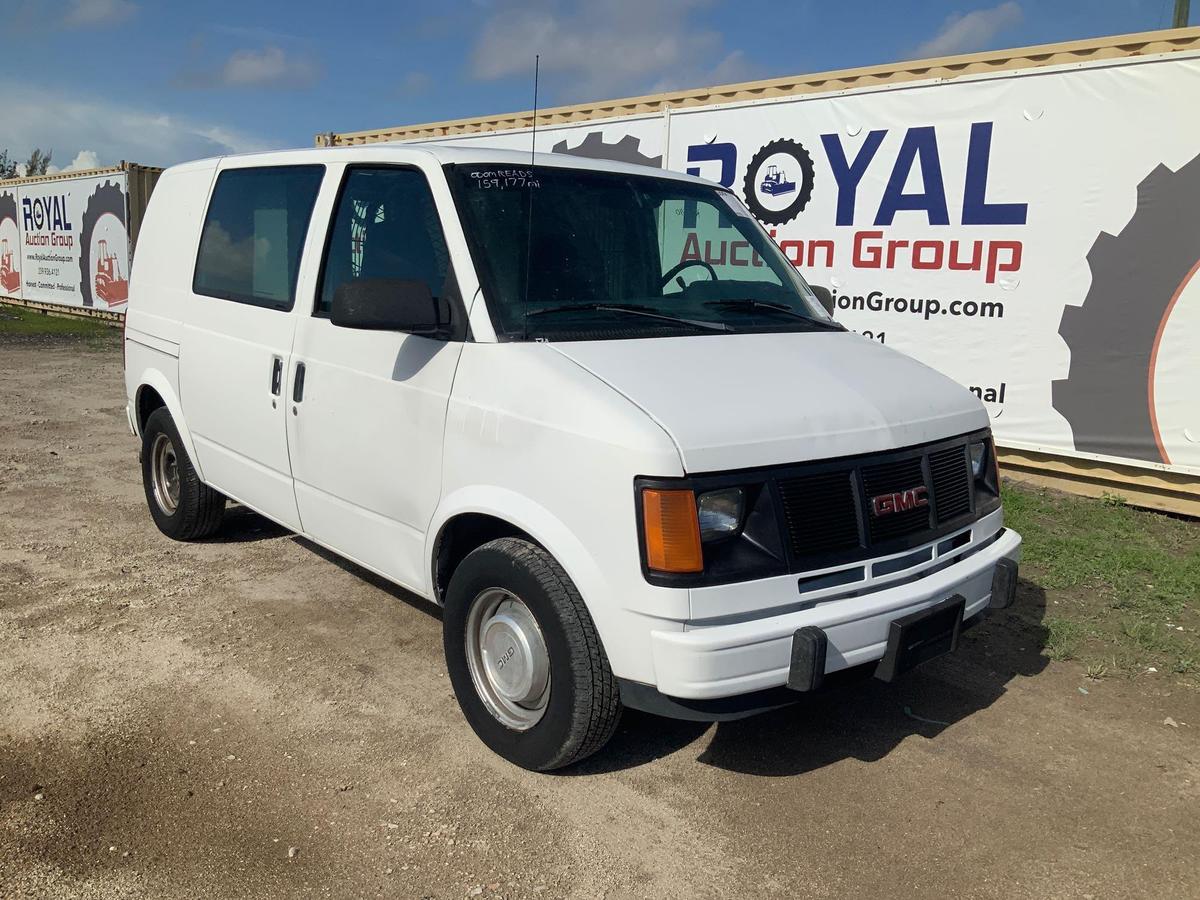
84 159
604 48
269 67
111 131
88 13
414 84
20 16
970 32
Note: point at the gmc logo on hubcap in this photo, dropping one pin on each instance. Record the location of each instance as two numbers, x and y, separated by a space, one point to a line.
886 504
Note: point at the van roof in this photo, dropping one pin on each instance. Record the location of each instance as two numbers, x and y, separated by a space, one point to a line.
440 153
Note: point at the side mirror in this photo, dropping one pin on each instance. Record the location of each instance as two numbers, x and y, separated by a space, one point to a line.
825 296
386 304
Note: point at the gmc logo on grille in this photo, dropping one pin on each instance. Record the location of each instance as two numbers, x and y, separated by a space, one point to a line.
886 504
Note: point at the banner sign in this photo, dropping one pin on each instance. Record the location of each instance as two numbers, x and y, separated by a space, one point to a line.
64 241
1034 235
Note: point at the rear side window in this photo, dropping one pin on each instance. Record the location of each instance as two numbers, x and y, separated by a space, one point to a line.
254 234
387 228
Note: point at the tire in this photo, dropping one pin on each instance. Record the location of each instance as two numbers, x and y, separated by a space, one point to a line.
197 508
582 703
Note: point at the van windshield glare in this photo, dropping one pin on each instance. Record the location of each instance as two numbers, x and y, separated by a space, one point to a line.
572 254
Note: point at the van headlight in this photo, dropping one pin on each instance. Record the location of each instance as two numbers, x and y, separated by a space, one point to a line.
705 530
983 465
978 458
720 512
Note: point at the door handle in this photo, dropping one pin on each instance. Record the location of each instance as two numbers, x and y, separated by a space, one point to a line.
298 384
276 376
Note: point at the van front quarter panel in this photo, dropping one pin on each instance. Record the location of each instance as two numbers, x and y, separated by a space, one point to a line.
534 439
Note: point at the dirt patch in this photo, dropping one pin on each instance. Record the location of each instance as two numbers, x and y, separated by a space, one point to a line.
177 718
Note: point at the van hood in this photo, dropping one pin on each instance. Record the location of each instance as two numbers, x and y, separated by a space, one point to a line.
741 400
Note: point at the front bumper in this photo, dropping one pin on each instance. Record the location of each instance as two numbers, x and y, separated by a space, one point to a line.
711 661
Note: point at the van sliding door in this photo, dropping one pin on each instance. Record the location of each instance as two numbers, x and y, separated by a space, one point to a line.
235 359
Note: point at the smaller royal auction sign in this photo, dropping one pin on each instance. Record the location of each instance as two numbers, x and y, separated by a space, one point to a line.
64 241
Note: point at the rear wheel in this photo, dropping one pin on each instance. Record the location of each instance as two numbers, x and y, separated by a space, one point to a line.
524 658
182 506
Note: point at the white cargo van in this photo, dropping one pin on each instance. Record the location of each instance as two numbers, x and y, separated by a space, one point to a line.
588 408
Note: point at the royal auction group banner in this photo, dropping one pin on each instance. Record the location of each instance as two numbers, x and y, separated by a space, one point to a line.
1033 234
64 241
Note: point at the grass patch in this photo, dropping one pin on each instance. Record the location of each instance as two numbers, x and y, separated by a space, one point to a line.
1120 582
1063 637
23 322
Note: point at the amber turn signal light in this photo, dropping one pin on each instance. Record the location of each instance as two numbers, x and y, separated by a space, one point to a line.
672 531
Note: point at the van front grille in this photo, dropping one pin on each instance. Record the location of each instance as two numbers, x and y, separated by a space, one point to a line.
874 505
950 471
820 512
895 477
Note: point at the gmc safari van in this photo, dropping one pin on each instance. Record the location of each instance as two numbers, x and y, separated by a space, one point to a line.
634 471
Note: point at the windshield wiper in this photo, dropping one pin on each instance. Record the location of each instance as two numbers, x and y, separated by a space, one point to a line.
629 308
774 307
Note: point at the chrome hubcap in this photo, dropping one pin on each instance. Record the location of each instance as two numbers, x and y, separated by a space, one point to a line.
507 656
164 468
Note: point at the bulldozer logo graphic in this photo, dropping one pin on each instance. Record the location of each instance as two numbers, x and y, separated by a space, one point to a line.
779 182
103 258
775 182
10 275
10 247
111 286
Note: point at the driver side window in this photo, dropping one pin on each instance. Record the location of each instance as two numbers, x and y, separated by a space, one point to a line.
386 228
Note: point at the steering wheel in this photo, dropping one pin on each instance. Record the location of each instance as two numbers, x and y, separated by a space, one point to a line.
679 267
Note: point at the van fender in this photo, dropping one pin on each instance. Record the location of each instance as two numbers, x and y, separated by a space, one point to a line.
532 518
156 379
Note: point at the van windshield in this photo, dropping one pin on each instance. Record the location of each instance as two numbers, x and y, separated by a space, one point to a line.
570 254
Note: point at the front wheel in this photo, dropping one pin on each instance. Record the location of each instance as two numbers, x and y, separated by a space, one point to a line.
182 506
524 658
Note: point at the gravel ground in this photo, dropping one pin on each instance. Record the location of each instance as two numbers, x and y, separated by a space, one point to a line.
251 716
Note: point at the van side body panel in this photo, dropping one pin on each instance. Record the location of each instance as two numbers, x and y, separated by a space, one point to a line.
160 291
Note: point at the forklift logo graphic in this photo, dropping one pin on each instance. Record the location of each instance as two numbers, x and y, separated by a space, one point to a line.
778 182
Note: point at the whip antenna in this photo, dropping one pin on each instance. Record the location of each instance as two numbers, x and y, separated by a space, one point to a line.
533 134
529 203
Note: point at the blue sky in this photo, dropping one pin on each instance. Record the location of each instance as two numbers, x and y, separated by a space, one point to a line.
157 83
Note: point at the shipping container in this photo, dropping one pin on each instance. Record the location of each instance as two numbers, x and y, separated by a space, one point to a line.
1027 221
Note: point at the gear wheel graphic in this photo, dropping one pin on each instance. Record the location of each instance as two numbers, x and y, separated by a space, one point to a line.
1113 335
628 149
106 199
750 184
8 206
